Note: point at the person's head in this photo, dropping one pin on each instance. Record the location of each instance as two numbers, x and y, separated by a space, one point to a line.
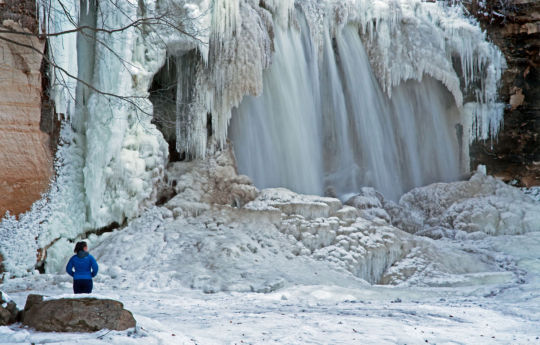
81 246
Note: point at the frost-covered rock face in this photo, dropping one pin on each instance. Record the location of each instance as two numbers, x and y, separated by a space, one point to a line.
482 204
201 183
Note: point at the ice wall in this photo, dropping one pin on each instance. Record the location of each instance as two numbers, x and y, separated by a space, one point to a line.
123 153
111 159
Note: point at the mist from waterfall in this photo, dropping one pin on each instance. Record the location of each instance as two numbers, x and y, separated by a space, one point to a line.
324 126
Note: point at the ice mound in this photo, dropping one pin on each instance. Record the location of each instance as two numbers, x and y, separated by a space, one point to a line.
215 231
326 230
481 204
219 233
208 253
214 181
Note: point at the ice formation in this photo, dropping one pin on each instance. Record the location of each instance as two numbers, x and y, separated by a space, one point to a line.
111 161
405 40
219 233
353 98
236 238
479 205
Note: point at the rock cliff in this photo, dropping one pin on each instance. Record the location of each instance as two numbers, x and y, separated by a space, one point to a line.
515 153
26 163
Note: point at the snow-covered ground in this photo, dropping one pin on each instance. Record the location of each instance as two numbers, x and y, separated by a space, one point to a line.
271 282
487 313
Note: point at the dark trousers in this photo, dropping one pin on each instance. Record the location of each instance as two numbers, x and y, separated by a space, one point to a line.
82 286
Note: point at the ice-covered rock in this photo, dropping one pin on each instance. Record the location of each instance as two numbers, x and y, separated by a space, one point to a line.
370 203
200 183
481 204
290 203
8 310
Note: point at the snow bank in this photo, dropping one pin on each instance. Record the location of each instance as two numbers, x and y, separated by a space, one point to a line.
481 204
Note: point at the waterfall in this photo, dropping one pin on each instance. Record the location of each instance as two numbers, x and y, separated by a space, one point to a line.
325 96
323 124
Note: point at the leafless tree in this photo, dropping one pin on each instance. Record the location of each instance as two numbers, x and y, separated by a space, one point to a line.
173 16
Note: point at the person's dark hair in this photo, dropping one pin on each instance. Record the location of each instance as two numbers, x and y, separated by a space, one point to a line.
79 246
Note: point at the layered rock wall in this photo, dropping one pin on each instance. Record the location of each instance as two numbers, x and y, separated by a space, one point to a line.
25 157
515 153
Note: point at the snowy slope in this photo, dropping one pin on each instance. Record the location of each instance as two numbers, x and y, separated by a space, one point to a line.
492 313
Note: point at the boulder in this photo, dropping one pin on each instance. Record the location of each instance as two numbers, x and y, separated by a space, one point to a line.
8 310
76 314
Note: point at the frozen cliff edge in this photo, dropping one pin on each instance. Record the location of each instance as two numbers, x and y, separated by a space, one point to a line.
405 40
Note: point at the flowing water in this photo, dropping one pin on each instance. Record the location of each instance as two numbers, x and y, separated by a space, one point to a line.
324 126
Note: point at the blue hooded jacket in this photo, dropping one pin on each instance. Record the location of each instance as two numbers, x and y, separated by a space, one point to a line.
84 264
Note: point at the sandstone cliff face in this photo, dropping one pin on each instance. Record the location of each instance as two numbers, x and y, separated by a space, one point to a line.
25 157
515 153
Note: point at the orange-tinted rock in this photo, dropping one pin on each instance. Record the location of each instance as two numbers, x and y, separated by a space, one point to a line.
25 157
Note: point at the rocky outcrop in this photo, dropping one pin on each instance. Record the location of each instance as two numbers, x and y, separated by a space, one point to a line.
8 310
515 153
24 149
76 315
195 185
20 11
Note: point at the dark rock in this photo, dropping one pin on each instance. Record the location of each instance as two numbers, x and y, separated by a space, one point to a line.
515 153
76 315
20 11
1 268
8 310
31 300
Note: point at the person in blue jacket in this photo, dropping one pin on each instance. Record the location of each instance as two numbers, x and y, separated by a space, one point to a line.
82 267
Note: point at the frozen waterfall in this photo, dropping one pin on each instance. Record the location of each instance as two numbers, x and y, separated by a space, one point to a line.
325 97
323 124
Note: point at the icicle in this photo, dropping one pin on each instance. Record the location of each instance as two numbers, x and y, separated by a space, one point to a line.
405 39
